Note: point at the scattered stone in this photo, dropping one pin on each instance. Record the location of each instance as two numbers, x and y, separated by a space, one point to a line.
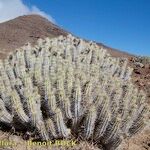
138 64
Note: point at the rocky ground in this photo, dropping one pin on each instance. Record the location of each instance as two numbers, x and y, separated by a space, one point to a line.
19 31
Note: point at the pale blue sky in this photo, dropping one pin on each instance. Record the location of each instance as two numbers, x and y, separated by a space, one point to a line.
121 24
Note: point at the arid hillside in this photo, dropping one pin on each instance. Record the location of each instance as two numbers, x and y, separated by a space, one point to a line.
17 32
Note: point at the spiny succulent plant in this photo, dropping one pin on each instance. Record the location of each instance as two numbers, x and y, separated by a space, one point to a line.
68 88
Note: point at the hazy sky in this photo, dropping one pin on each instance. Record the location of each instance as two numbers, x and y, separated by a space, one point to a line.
121 24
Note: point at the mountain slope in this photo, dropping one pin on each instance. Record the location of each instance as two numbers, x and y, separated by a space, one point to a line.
17 32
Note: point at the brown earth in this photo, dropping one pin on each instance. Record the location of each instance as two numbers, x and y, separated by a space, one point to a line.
17 32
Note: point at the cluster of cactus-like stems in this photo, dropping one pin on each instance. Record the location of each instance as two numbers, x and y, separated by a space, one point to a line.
66 87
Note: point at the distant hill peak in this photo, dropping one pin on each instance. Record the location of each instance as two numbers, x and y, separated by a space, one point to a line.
15 33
